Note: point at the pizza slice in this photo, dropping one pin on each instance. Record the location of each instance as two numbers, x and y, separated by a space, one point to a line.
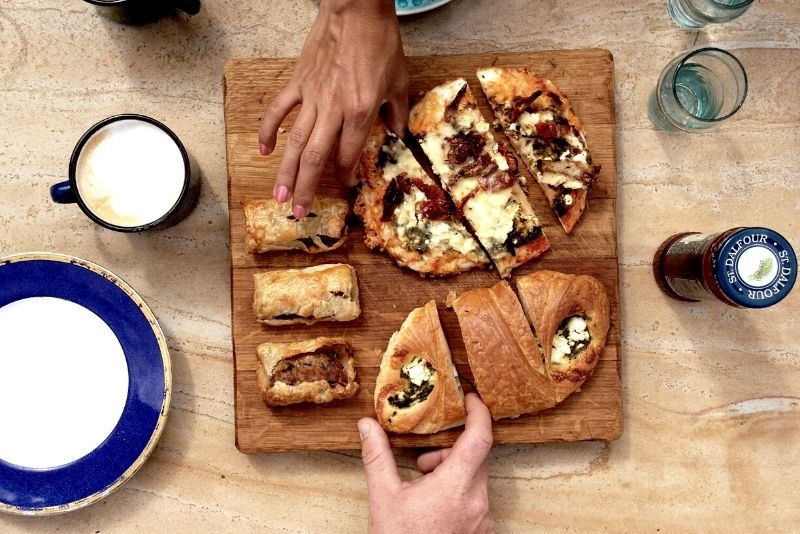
539 121
407 214
417 389
477 176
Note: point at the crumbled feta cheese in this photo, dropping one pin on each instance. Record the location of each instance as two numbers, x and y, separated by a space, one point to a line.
561 349
576 334
568 200
417 371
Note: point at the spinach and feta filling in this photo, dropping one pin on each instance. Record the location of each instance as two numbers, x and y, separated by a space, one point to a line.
572 338
420 378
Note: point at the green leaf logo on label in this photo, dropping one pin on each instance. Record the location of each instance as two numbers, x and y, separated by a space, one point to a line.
764 269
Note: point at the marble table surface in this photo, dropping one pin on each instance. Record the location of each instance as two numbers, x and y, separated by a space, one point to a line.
711 393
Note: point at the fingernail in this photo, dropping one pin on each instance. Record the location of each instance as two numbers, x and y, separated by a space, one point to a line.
264 150
282 195
298 211
363 429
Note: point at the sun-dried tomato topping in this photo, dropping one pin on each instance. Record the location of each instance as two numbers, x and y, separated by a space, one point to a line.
436 206
392 198
507 153
464 146
521 104
454 104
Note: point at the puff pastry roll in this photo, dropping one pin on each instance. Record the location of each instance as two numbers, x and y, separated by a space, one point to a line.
317 370
506 361
320 293
271 226
417 389
571 316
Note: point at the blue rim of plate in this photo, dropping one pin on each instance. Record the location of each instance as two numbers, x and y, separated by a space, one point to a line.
412 7
28 491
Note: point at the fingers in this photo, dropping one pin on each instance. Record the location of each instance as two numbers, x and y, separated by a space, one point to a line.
354 136
313 159
298 137
379 465
430 460
276 111
472 446
397 114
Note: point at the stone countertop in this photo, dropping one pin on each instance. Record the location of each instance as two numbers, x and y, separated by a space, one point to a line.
711 393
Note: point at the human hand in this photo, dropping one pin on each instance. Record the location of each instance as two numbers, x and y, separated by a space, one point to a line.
352 62
453 494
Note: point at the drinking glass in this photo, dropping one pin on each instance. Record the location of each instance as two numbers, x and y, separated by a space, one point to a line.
697 91
691 14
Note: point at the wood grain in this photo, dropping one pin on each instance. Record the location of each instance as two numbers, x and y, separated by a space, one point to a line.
388 293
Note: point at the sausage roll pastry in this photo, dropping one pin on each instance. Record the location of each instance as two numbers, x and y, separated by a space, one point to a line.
271 226
317 370
417 389
571 315
320 293
506 361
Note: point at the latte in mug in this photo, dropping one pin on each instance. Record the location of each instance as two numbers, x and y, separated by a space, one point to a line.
131 173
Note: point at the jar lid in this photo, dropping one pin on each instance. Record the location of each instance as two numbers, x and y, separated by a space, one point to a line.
755 267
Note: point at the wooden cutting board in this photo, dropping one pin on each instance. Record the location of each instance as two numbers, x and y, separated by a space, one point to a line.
389 293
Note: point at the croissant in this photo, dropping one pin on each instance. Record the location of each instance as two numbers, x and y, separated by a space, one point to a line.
571 316
505 358
417 389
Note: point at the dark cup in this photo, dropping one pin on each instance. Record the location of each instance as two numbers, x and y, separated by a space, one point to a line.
142 11
68 192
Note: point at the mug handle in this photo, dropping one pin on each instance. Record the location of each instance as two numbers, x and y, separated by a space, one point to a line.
192 7
62 193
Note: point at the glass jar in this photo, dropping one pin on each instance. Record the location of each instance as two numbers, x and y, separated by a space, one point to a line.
742 267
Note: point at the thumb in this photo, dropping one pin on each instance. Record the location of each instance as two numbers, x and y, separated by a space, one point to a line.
396 117
379 466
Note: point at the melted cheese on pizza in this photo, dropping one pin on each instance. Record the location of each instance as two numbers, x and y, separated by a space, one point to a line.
426 235
402 161
492 215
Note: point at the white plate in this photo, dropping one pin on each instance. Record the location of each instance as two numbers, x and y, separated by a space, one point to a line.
84 383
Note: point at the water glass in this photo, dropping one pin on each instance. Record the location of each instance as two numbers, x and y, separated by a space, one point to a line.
697 91
691 14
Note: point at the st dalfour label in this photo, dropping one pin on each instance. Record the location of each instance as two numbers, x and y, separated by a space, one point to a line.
758 267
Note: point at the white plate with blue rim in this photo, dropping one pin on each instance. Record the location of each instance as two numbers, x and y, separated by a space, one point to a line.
85 383
412 7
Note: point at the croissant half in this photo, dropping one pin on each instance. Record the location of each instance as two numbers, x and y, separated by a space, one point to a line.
506 360
571 316
417 389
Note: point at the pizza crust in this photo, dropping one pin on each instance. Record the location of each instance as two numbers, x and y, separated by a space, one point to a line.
523 103
450 249
477 176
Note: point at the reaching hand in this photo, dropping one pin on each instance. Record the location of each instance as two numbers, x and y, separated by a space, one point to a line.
352 62
452 496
